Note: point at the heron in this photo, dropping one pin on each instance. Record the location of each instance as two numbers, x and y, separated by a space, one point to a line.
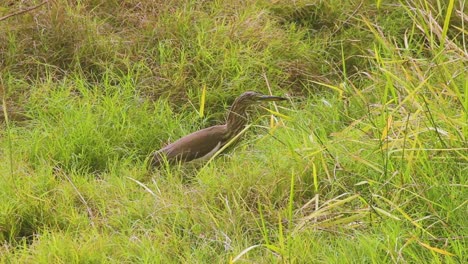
203 144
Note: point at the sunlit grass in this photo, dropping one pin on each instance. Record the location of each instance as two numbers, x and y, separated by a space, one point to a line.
365 163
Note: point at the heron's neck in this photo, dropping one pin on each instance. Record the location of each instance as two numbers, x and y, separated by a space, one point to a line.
236 120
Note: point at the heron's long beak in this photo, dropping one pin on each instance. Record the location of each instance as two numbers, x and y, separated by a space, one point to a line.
271 98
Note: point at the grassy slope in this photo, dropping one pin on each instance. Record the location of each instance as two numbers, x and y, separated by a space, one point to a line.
367 163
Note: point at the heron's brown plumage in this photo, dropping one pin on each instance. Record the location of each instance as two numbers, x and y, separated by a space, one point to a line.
204 143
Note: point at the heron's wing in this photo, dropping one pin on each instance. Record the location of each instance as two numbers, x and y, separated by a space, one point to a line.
193 146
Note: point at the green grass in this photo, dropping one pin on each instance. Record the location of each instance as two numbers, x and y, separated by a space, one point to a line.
366 163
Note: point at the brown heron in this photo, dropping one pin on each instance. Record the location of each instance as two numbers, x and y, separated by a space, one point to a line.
205 143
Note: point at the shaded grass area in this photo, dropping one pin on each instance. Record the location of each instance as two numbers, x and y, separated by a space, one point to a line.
366 163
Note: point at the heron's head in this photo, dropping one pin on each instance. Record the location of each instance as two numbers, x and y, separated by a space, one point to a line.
237 117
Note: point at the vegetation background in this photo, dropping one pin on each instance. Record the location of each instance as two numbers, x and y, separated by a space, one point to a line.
366 163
